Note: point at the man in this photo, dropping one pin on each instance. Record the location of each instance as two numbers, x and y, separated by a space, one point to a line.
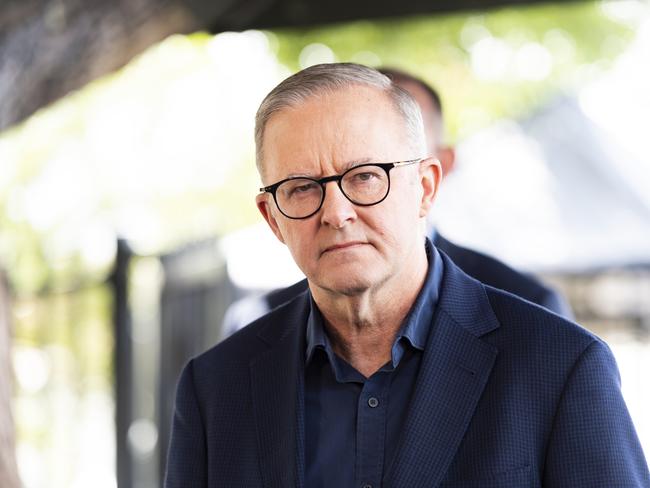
478 265
395 368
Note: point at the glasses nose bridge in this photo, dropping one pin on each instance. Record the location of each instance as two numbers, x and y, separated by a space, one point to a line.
328 179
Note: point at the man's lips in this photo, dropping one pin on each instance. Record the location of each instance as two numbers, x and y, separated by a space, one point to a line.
345 245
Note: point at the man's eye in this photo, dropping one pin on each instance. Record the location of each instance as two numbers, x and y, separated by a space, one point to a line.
304 188
366 176
300 190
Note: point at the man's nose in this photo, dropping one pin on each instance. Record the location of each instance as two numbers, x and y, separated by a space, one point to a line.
337 210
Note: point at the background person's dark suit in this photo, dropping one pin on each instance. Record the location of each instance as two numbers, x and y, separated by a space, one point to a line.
496 273
508 394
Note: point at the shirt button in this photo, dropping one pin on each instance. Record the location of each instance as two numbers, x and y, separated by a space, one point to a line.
372 403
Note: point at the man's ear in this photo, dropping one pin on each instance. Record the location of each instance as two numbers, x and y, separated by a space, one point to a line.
447 157
430 178
264 206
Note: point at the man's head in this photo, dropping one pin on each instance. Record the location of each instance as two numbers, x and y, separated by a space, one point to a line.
431 106
321 122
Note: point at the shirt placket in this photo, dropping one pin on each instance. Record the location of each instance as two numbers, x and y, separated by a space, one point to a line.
372 408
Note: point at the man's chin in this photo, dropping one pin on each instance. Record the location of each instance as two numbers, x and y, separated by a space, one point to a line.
345 285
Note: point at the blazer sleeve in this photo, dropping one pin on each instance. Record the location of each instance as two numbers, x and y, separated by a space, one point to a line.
186 458
593 441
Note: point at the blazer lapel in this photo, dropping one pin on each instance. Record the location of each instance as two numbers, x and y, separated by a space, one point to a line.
455 368
277 383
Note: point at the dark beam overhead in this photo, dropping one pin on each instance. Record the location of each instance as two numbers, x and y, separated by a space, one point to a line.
49 48
264 14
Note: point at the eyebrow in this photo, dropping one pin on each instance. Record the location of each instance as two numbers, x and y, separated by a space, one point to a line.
344 168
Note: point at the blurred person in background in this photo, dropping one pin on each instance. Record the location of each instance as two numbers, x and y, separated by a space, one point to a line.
394 368
484 268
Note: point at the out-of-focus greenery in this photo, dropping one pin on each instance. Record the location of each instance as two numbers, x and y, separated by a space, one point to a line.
63 348
578 40
161 151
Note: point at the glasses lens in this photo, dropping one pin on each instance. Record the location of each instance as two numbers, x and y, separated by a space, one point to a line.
365 184
299 197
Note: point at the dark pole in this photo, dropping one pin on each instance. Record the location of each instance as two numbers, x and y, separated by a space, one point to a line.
122 357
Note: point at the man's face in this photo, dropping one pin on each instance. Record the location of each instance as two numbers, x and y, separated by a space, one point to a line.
345 248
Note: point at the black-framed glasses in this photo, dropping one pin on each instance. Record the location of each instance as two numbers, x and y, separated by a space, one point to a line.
365 185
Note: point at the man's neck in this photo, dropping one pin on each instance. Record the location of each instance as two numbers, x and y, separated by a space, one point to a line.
363 327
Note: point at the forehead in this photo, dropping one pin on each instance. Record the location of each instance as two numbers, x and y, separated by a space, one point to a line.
330 131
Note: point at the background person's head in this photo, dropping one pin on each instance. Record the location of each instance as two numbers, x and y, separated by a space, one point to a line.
432 115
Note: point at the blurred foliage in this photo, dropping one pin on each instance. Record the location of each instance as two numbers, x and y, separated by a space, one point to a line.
63 347
161 152
580 37
153 153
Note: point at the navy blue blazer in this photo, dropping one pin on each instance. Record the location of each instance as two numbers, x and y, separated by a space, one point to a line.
508 395
484 268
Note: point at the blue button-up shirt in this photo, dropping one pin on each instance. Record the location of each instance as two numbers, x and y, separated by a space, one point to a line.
353 423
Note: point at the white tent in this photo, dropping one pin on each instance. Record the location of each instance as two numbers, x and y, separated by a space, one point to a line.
548 192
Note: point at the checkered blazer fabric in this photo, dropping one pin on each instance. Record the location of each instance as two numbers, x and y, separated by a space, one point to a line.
508 395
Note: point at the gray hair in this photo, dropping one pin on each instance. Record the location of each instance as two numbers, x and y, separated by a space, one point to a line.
331 77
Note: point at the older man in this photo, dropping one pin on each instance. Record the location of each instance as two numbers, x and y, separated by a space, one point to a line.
484 268
395 368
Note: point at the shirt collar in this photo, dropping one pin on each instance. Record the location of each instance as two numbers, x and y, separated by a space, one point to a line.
415 328
315 335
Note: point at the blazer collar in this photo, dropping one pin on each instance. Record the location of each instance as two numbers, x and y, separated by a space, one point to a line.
277 384
455 368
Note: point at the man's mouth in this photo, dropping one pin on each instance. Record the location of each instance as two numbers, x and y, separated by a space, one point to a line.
343 246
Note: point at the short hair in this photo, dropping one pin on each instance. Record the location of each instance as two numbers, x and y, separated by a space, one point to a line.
329 78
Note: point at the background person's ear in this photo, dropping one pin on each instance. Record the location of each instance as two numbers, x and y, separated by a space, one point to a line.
264 205
447 157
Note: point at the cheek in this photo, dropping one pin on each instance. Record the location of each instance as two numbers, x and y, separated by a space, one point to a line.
298 236
383 226
403 209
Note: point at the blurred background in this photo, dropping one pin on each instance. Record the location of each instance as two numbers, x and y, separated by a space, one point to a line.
127 184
